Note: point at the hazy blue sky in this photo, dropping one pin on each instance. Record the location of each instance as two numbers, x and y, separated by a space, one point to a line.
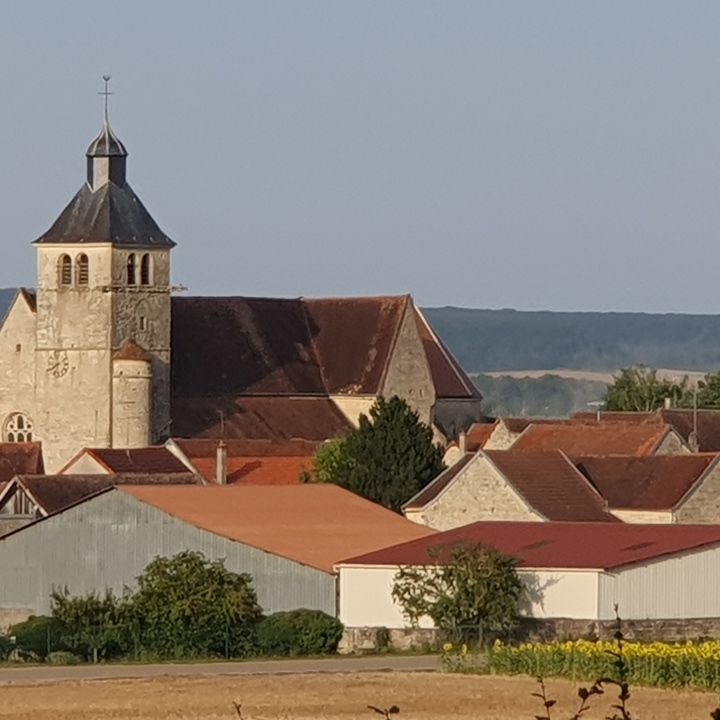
561 155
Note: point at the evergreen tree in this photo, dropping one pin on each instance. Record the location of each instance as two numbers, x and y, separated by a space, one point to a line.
388 458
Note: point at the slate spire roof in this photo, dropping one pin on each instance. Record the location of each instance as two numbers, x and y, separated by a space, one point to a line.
106 144
105 209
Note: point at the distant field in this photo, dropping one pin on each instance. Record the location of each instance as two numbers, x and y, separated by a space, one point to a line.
328 697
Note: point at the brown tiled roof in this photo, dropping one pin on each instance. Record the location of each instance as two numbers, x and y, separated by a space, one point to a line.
644 483
478 434
253 462
19 458
235 345
708 426
519 424
551 485
130 350
616 416
258 417
597 439
449 378
601 546
436 486
55 492
30 297
138 460
316 525
354 338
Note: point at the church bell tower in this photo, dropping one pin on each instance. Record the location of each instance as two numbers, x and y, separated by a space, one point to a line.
103 286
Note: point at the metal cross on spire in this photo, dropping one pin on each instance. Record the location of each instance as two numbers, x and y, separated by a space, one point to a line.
106 93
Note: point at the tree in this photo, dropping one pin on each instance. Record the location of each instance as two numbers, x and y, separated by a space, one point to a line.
708 393
188 605
90 622
388 458
473 588
638 388
328 459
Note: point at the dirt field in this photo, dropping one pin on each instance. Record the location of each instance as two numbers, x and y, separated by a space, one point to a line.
326 696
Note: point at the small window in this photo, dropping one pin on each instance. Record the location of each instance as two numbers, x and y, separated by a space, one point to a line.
83 273
65 270
143 322
146 269
18 428
131 275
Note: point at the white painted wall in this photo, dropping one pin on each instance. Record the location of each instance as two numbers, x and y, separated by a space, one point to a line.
366 596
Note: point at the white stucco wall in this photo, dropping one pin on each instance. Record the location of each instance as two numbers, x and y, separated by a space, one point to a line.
366 596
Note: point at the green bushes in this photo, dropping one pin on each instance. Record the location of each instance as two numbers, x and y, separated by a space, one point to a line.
38 636
299 632
184 607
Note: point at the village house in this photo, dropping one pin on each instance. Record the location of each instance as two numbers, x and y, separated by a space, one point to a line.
659 489
508 485
102 355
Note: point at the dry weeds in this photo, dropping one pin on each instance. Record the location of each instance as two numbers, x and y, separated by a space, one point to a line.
339 696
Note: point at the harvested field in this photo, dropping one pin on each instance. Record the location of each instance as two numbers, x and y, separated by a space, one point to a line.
328 696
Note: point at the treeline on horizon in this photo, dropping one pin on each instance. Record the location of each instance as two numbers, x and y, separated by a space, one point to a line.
497 340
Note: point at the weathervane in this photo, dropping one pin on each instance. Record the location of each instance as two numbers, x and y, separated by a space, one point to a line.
106 93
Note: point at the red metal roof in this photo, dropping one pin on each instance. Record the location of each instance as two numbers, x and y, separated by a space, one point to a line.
316 524
657 482
546 545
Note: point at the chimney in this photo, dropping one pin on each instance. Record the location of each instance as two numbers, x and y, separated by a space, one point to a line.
221 463
462 442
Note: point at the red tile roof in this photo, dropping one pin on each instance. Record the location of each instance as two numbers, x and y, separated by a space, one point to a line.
137 460
551 485
316 525
478 434
597 439
258 417
20 458
253 462
555 545
656 482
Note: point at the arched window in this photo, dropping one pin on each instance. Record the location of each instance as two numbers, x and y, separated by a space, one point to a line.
65 270
131 267
82 269
146 269
18 428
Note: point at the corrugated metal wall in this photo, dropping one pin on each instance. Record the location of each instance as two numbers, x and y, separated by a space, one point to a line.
683 586
106 542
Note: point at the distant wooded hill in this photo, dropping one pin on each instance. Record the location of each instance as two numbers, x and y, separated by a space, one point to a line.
496 340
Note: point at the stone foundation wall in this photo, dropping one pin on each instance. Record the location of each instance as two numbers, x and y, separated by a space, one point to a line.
372 639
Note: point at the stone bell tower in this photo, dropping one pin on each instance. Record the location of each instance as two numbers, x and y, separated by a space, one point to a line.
103 279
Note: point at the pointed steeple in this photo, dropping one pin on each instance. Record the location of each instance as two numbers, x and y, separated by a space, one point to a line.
106 155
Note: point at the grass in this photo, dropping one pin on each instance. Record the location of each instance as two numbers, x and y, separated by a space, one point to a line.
338 696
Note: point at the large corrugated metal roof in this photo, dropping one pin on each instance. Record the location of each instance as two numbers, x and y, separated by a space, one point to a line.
316 525
554 545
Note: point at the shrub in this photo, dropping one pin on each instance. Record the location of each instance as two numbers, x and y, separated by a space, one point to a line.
6 647
38 636
62 657
299 632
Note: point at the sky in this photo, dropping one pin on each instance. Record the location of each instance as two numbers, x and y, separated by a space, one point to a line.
560 155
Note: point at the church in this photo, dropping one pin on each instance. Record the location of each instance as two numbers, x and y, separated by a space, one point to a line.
103 354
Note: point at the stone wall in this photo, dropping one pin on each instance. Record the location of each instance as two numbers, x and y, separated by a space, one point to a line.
408 373
479 492
373 639
672 444
703 503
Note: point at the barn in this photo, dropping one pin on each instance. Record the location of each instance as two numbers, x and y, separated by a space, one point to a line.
571 570
287 537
